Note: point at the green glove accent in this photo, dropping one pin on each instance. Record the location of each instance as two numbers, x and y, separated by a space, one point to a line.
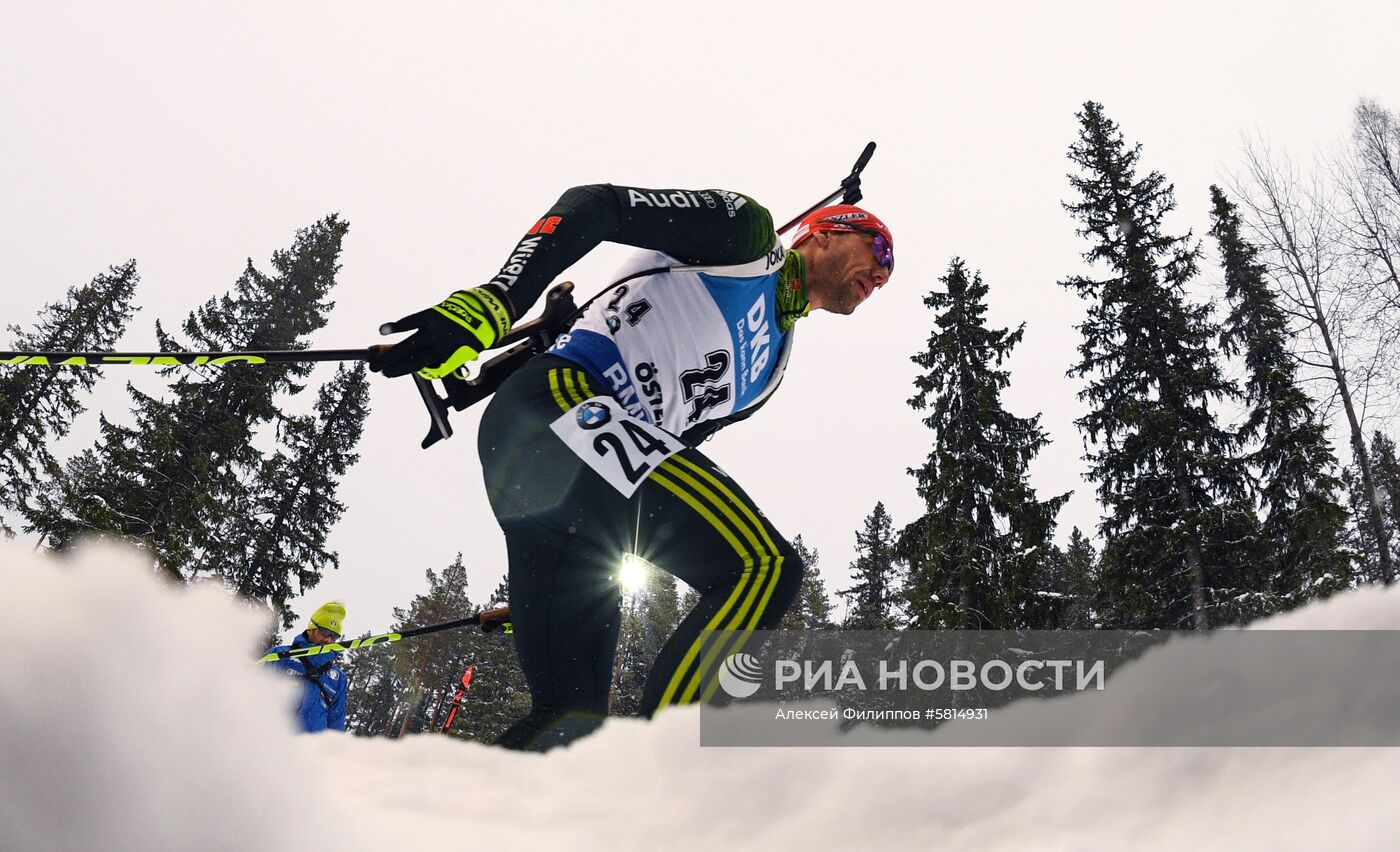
483 315
445 336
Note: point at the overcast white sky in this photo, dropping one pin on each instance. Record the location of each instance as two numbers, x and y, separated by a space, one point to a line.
192 136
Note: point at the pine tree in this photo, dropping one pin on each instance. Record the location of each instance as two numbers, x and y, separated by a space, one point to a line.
1166 470
1081 586
498 695
689 599
1388 482
291 505
39 404
1067 584
974 553
1385 467
873 602
662 614
408 687
375 689
649 617
811 610
432 665
171 479
1300 539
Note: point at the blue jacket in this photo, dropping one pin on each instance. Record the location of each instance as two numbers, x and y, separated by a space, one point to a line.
323 687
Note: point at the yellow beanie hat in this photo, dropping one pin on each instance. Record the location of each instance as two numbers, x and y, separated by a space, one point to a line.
331 616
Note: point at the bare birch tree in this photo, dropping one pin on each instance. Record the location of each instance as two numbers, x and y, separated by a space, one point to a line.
1311 259
1368 222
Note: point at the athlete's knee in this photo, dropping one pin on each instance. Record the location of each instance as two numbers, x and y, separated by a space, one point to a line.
777 574
791 569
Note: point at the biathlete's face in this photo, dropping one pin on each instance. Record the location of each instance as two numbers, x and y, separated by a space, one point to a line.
845 268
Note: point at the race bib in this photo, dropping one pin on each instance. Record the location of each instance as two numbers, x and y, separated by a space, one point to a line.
622 449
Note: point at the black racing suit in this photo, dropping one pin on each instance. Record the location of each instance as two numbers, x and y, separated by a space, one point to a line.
567 528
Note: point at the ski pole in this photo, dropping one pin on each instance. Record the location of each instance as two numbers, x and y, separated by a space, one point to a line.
176 359
558 304
487 620
523 342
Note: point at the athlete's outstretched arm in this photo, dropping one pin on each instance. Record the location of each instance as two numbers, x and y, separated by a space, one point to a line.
695 226
703 226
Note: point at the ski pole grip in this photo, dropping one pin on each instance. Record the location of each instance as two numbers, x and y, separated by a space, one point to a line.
492 619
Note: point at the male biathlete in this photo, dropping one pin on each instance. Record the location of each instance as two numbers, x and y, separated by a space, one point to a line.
589 450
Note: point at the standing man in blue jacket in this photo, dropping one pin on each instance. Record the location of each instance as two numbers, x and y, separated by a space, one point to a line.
322 704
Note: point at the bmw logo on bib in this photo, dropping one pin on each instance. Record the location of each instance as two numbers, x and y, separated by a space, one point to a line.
591 415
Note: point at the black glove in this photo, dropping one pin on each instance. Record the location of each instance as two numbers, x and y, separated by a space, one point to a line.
445 336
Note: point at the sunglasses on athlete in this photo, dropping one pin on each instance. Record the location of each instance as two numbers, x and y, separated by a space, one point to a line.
881 248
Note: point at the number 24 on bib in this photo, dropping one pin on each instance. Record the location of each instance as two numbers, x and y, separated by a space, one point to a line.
619 448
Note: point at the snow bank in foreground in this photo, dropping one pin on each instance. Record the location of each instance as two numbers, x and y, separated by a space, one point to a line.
131 718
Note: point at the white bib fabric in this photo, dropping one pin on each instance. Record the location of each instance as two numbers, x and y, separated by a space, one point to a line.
685 345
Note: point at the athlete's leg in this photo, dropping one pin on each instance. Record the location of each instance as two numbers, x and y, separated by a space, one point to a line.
699 525
565 610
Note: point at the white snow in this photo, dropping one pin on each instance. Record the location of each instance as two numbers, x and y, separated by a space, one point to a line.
131 717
